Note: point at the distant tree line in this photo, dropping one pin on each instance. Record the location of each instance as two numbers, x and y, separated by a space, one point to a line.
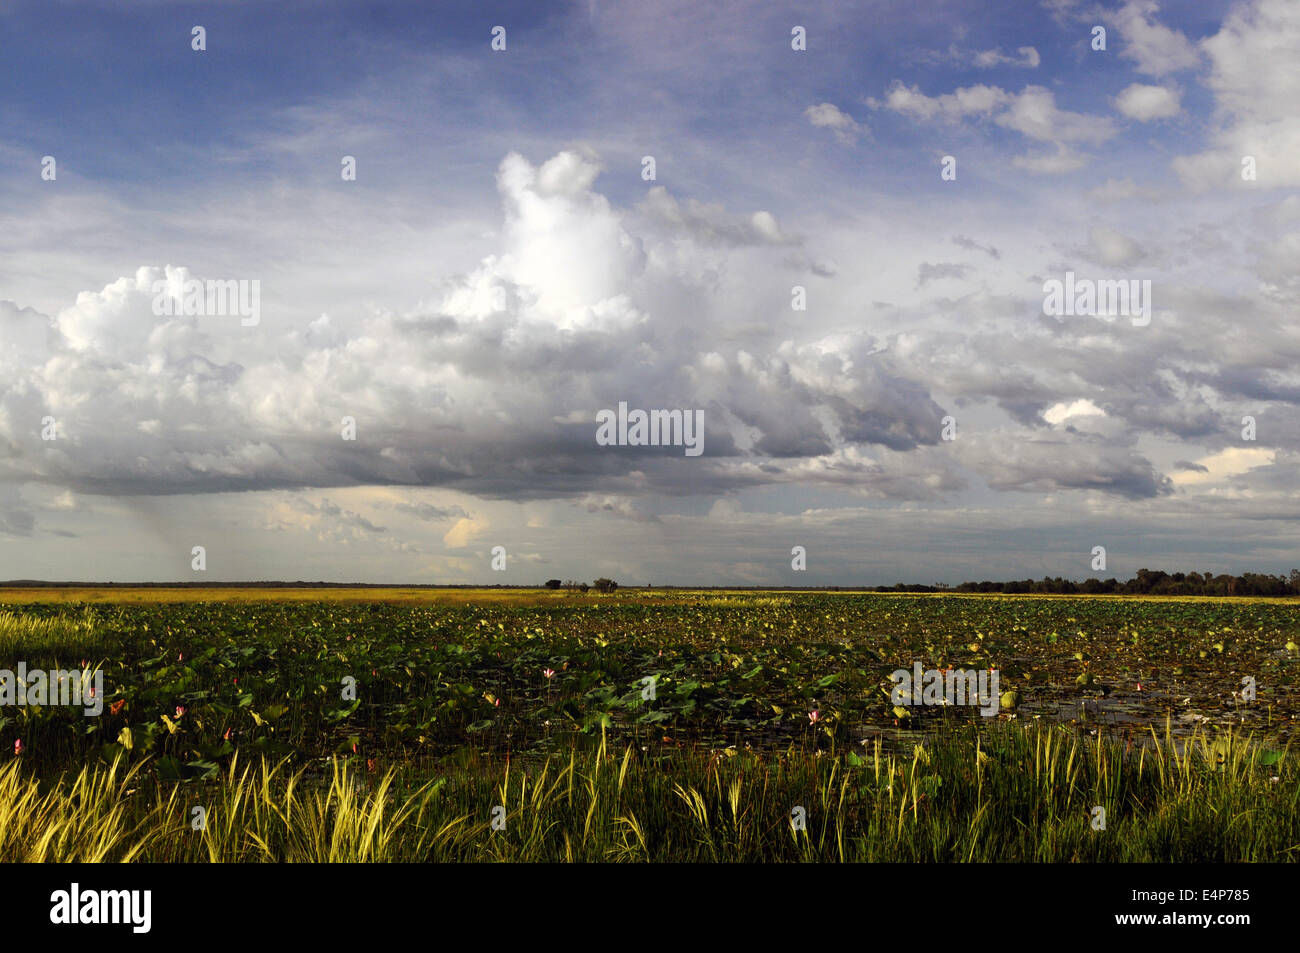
600 585
1147 582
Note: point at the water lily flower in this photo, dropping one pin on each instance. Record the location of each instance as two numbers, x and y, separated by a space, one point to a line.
226 736
548 672
19 747
815 716
180 710
180 656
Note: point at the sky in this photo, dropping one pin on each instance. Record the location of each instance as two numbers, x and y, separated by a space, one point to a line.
827 229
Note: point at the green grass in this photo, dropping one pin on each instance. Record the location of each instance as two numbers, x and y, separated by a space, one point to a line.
1018 793
26 636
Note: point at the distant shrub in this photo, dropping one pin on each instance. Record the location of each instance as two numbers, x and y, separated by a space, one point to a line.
553 584
605 585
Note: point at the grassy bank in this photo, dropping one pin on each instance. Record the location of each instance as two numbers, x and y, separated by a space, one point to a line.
1016 793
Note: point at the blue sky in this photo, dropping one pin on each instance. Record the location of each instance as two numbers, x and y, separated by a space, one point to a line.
500 270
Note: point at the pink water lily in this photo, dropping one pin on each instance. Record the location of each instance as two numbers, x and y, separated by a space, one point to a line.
180 710
815 716
548 672
19 747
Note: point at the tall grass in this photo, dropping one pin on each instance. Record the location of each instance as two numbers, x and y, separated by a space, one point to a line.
59 636
1017 793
